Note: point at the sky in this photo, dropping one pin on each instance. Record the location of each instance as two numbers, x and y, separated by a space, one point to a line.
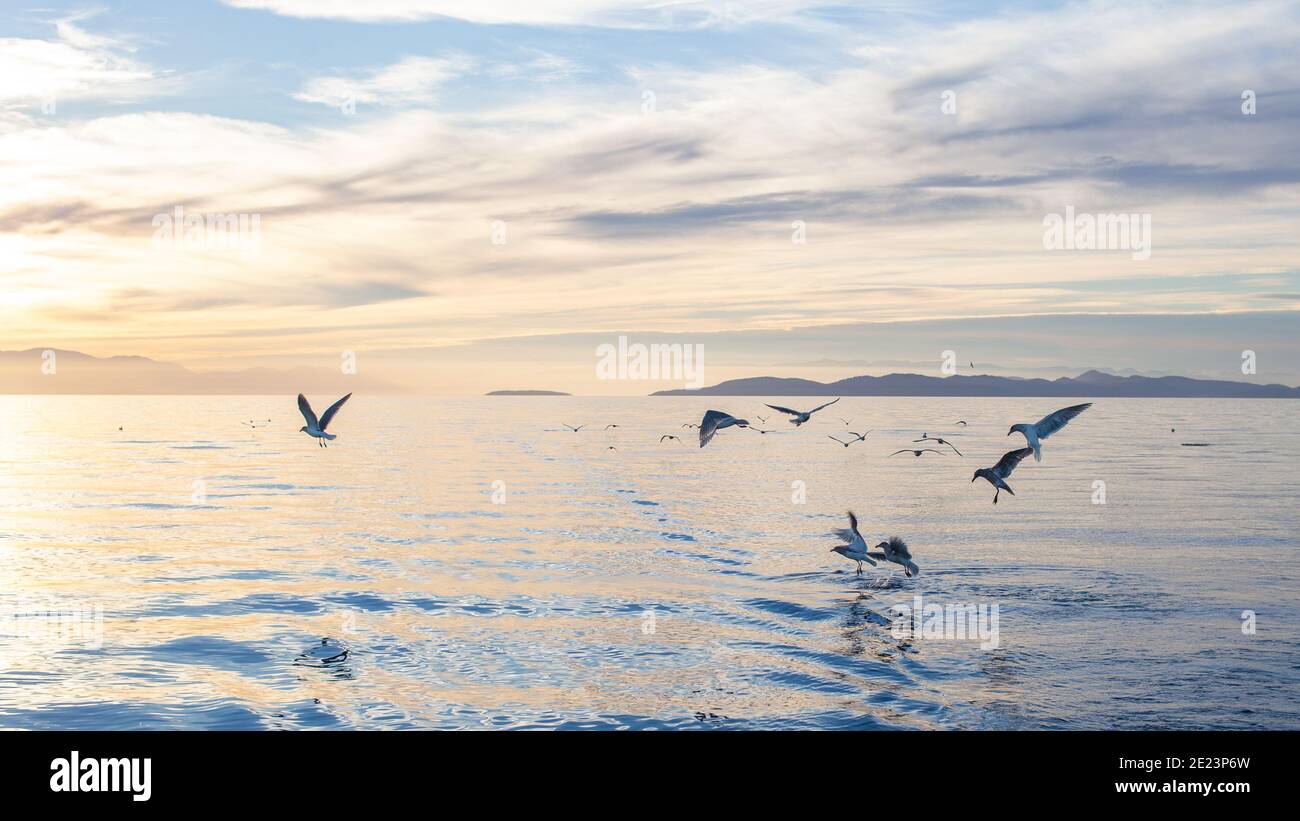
463 197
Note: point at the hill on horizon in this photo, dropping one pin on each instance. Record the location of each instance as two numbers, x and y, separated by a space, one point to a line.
1089 383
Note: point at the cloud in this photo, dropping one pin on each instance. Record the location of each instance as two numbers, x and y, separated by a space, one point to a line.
616 13
410 80
36 74
676 215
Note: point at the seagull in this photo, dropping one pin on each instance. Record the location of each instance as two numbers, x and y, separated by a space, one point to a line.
925 437
252 425
895 550
607 427
760 430
669 436
856 547
317 429
846 422
688 425
861 438
998 474
762 419
961 422
1046 426
715 421
916 452
799 416
572 428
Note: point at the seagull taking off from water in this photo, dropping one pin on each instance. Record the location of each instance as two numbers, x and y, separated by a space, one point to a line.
799 416
997 475
925 437
317 428
895 550
856 547
1046 426
715 421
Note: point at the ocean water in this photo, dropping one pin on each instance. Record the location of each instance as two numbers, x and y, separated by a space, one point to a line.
469 563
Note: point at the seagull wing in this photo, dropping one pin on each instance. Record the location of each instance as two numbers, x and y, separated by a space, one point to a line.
843 533
1055 421
709 425
307 412
1009 461
853 522
841 441
819 407
899 548
331 410
954 447
904 450
783 410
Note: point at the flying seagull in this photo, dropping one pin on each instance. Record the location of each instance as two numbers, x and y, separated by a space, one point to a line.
572 428
669 436
846 422
799 416
607 427
961 422
856 547
715 421
1046 426
997 475
315 428
762 419
861 437
916 452
760 430
925 437
895 550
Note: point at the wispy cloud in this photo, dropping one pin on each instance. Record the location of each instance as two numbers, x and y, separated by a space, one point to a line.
410 80
660 189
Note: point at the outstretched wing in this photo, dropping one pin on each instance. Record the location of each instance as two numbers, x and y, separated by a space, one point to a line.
853 522
1055 421
709 425
842 442
307 412
899 547
331 410
819 407
783 410
951 445
843 533
860 435
904 450
1009 461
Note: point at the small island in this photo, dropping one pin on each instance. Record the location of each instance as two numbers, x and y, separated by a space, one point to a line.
527 393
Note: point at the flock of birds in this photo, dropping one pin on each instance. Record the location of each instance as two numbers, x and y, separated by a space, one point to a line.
895 550
854 546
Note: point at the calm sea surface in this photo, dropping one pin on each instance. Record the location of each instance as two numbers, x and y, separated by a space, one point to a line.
468 563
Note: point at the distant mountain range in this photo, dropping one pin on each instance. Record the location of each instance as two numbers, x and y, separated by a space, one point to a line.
42 371
1087 384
